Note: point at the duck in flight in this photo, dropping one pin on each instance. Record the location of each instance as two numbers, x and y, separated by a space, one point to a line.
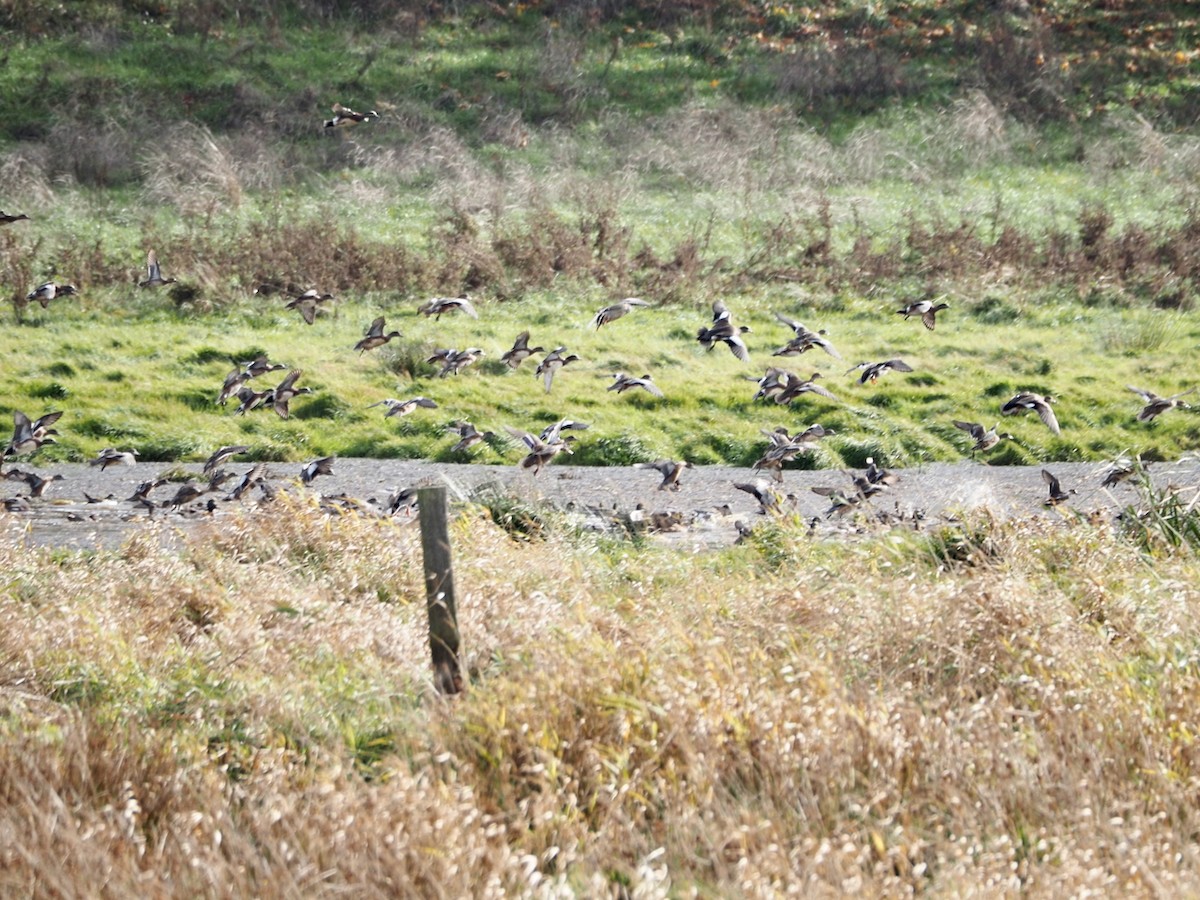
344 116
1156 405
1028 400
926 309
724 331
616 311
154 275
374 337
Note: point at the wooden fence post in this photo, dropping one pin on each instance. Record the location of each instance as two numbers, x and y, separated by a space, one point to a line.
439 588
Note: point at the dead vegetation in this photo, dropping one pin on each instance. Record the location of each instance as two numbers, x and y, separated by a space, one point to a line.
253 715
506 230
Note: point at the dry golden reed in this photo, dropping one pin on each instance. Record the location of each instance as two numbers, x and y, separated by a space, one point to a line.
995 708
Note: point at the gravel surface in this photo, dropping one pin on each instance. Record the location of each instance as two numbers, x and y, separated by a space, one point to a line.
705 511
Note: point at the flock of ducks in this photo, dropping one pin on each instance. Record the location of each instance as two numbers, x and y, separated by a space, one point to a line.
777 384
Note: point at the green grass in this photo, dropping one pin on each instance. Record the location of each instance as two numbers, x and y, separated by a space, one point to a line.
124 383
521 159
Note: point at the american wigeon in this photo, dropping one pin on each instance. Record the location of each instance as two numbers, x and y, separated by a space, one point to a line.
1156 405
403 407
468 436
670 469
616 311
374 337
520 351
1027 400
804 339
222 456
1057 494
724 331
308 304
622 383
44 293
111 456
555 360
541 452
36 483
985 439
344 115
439 305
286 390
872 372
926 309
322 466
154 275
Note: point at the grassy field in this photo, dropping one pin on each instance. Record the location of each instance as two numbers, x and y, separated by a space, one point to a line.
1069 280
972 708
548 183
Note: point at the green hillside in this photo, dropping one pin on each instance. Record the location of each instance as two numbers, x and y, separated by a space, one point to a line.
1032 165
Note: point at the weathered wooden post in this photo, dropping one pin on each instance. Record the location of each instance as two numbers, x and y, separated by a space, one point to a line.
439 588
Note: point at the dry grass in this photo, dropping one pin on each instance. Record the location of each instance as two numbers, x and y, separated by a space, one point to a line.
994 708
198 173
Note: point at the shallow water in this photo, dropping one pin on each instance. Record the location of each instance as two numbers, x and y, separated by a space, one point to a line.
707 500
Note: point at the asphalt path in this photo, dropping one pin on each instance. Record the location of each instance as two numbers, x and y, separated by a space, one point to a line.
707 510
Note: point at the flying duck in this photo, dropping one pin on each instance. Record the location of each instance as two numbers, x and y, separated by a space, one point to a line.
724 331
250 399
985 439
186 494
403 407
322 466
784 447
614 312
253 477
622 383
555 360
1026 400
670 470
221 456
841 502
541 451
804 339
454 361
1156 405
554 430
1057 494
28 435
44 293
260 366
110 456
1121 469
308 304
926 309
872 372
402 501
36 483
285 391
439 305
374 337
768 499
468 435
794 387
344 115
520 351
154 275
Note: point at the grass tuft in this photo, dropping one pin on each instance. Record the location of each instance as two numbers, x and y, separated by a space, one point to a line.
1163 521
